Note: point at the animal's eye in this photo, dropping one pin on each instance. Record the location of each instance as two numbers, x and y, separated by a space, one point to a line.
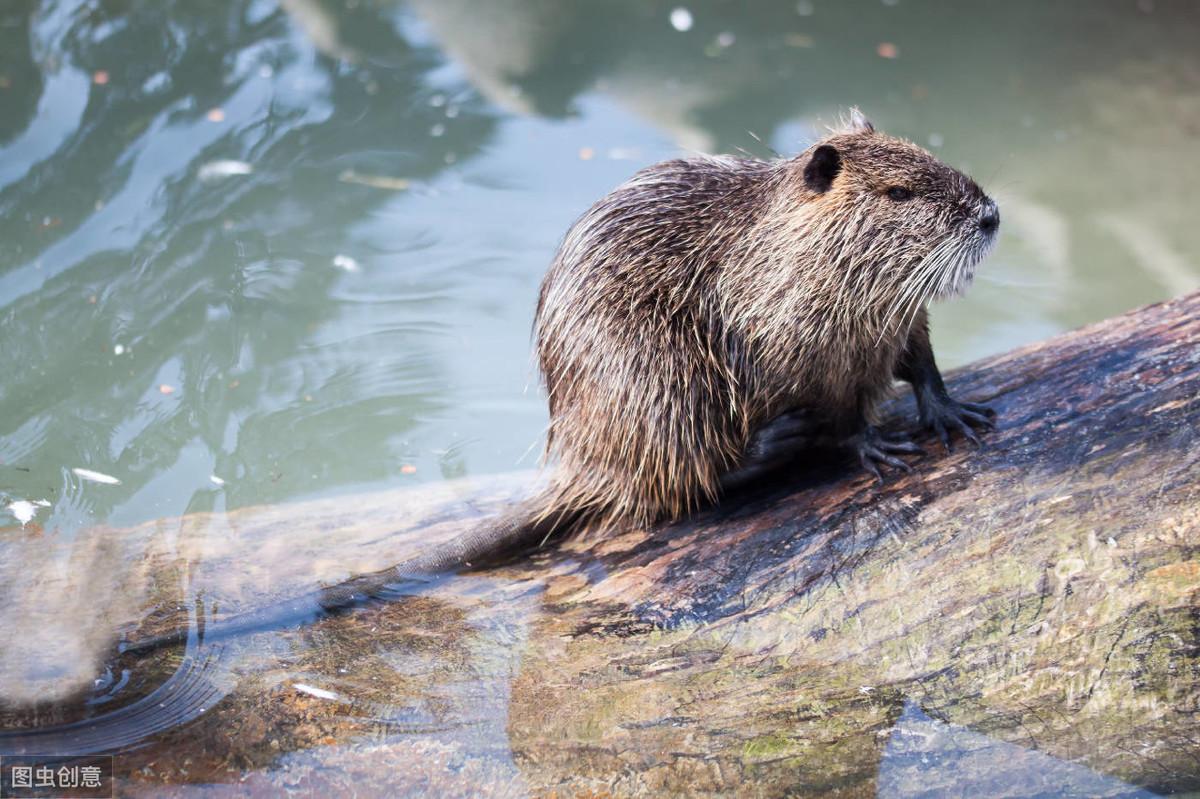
899 194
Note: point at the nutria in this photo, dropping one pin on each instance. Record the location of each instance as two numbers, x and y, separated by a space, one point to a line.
713 315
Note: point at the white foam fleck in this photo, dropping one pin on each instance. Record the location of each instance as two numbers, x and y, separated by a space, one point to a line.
320 693
681 19
215 170
96 477
24 510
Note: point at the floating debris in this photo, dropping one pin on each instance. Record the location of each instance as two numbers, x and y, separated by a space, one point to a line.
215 115
408 468
217 481
166 390
374 181
156 83
320 693
681 19
24 510
887 50
586 153
100 77
437 130
346 264
119 349
798 40
96 477
215 170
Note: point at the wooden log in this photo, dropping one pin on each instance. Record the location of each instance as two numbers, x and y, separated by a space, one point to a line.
1033 602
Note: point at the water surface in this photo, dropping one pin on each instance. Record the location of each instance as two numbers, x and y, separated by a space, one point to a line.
163 328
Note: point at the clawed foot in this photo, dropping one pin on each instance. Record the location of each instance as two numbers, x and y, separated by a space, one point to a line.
947 414
874 448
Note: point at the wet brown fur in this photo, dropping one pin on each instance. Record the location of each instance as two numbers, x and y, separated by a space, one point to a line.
706 296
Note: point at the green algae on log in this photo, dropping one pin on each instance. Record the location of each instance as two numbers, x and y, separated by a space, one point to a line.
1039 594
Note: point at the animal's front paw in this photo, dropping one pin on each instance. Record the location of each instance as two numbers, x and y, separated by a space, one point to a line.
874 448
945 414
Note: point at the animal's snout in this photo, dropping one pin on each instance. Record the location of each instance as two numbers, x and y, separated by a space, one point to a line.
989 217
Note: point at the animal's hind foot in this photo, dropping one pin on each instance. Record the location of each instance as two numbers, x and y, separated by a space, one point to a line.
773 446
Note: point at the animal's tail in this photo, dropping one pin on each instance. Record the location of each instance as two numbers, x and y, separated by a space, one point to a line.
523 527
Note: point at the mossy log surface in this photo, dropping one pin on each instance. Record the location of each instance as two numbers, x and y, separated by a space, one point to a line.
1010 620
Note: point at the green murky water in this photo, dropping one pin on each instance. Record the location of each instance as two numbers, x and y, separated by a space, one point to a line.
255 252
355 311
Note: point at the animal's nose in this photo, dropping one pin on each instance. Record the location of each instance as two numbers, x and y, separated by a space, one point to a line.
989 220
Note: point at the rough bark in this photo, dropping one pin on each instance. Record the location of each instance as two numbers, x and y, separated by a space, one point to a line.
1038 596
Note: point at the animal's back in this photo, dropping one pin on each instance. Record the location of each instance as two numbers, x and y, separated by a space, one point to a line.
643 394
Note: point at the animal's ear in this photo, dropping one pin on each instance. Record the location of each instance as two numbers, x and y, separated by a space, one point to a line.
859 123
822 167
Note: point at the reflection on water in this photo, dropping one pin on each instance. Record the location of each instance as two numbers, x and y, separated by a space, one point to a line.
925 757
253 252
